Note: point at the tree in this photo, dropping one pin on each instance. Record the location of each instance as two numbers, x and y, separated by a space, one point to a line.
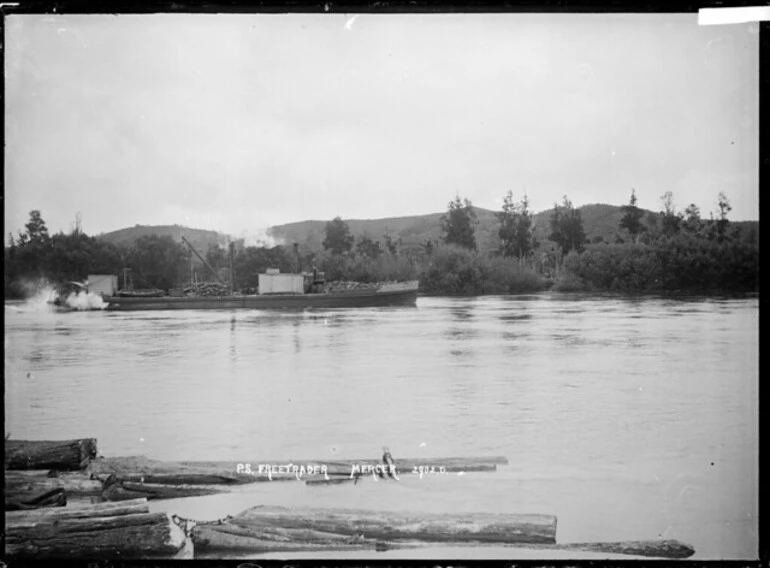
567 227
632 217
76 255
33 247
457 224
338 238
724 208
392 245
36 229
670 222
367 247
516 231
692 221
250 262
216 256
157 262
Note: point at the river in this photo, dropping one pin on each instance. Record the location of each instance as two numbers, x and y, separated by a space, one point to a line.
627 418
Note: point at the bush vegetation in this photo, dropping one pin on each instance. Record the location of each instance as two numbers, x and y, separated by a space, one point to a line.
682 253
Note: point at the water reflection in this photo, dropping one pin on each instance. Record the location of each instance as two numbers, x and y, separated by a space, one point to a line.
514 317
233 351
297 335
461 333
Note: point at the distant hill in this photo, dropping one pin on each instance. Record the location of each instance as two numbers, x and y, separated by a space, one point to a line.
599 220
199 238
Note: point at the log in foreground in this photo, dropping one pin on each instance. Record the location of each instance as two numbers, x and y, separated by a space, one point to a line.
335 478
127 491
38 516
66 455
53 498
126 536
27 484
278 528
651 548
142 469
403 464
233 538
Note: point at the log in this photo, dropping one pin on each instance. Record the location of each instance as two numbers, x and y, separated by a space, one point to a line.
346 465
336 480
125 536
339 478
66 455
53 498
234 538
140 468
258 522
25 484
652 548
123 491
180 479
135 507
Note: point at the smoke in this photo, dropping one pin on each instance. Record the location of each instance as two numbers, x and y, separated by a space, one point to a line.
260 238
85 301
40 294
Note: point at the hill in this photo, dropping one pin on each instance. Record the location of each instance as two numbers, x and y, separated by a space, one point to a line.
599 221
201 239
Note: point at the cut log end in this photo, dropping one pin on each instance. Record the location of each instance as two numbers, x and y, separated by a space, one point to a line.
146 535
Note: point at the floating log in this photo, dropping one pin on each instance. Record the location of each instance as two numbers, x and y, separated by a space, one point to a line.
53 498
123 491
290 527
42 516
652 548
235 538
336 480
403 464
339 478
124 536
227 537
66 455
26 484
142 469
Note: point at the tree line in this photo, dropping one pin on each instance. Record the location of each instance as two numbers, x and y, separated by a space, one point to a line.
671 251
668 252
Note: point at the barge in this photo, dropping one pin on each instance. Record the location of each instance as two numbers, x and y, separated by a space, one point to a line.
276 291
391 294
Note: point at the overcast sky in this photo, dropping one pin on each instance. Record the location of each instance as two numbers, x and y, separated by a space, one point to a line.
239 122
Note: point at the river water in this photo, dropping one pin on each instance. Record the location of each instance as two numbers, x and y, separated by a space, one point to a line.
627 418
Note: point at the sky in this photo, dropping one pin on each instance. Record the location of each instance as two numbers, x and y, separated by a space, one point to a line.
240 122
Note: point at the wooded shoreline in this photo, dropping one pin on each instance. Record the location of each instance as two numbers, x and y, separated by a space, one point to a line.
117 523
